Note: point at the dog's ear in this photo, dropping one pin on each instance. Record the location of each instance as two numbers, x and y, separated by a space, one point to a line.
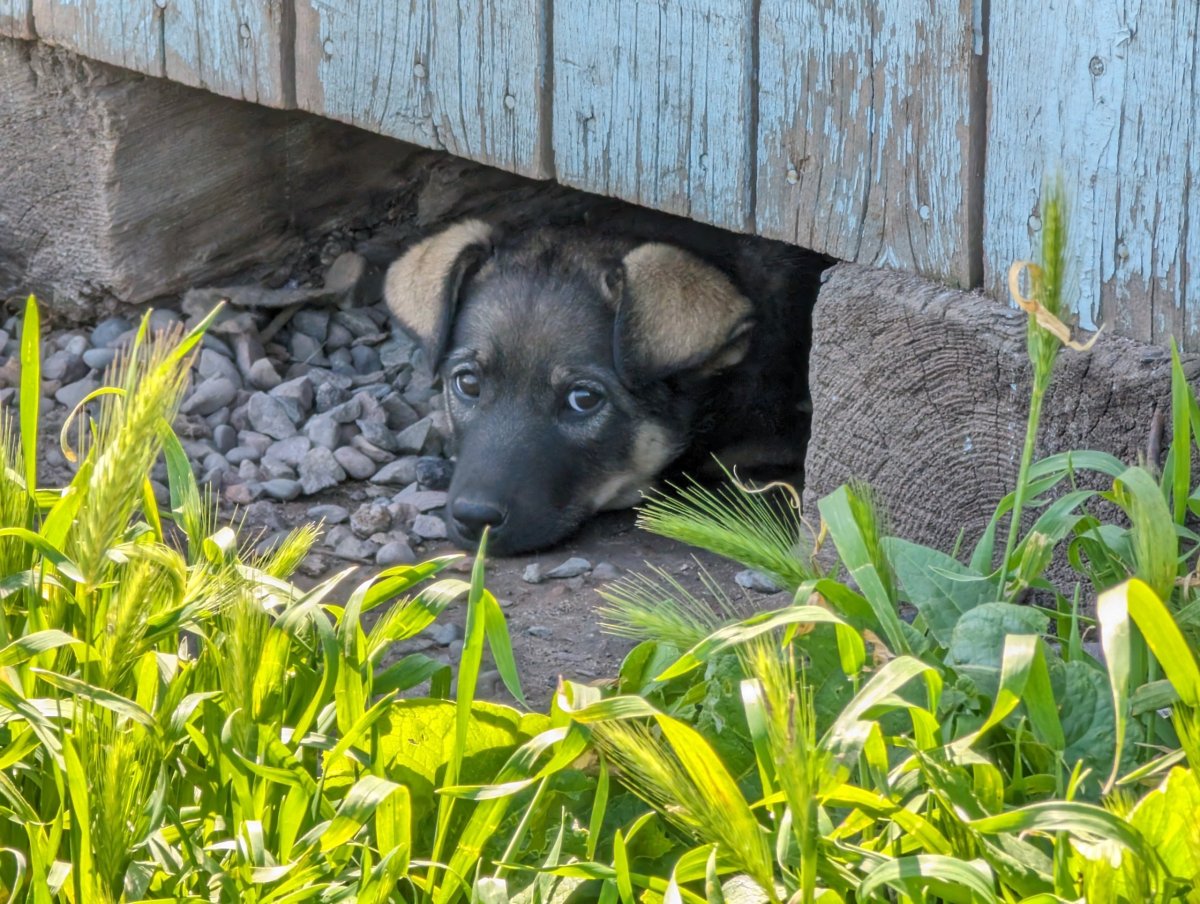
676 314
423 285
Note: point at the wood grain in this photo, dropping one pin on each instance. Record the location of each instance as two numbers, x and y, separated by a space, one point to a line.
653 103
126 33
16 18
922 391
466 77
238 48
1106 93
865 143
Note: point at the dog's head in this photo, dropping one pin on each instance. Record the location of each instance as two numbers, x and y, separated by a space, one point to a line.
572 368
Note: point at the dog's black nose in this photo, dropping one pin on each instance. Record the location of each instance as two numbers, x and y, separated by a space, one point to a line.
473 517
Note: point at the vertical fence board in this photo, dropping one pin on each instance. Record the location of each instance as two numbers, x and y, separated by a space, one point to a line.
466 77
124 33
653 103
1106 94
16 18
231 47
865 143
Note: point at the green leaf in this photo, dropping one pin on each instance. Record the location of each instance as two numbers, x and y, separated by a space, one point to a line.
939 586
1085 821
1180 474
1155 543
977 642
948 878
1161 632
1166 818
356 809
30 645
122 706
31 391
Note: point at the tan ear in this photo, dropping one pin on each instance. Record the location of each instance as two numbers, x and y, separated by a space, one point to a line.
422 286
678 314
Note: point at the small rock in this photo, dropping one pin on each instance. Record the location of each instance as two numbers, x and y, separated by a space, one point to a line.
163 319
323 431
539 631
400 414
239 454
757 581
307 349
401 472
338 534
572 568
423 500
99 358
319 470
273 467
533 574
107 331
242 493
329 395
263 375
346 412
355 463
290 451
430 527
365 359
354 548
312 322
443 633
210 396
269 416
298 391
215 461
373 452
574 584
339 337
74 393
255 440
434 473
370 518
246 350
380 435
281 488
64 367
213 364
605 571
224 438
396 552
412 439
248 470
330 514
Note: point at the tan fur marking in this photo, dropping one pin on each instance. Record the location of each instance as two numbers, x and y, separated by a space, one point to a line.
653 449
417 280
682 308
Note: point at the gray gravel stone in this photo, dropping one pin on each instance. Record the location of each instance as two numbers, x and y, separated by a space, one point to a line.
370 518
215 461
339 337
401 472
605 571
539 631
64 367
299 391
319 470
443 633
273 467
431 527
355 463
757 581
365 359
323 431
380 435
372 451
355 548
400 414
571 568
99 358
248 470
108 330
213 364
423 500
395 552
434 473
254 439
307 349
412 439
225 439
532 574
263 375
291 450
269 416
330 514
312 322
73 393
210 396
239 454
329 395
282 489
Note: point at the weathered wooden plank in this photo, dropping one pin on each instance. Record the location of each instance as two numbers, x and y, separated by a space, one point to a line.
232 47
653 104
1106 93
16 18
865 138
467 77
126 33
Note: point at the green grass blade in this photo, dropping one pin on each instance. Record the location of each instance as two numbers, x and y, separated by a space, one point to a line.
496 629
356 810
1153 535
1161 633
1085 821
948 878
31 391
1182 399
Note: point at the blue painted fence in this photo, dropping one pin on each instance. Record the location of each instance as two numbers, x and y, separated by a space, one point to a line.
905 133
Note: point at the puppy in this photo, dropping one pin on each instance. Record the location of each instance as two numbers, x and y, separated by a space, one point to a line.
577 366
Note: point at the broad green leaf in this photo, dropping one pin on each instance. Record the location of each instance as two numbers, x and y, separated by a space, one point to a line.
1166 818
939 586
1155 544
977 641
1161 633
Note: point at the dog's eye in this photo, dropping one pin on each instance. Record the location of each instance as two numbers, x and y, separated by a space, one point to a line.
466 384
584 399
